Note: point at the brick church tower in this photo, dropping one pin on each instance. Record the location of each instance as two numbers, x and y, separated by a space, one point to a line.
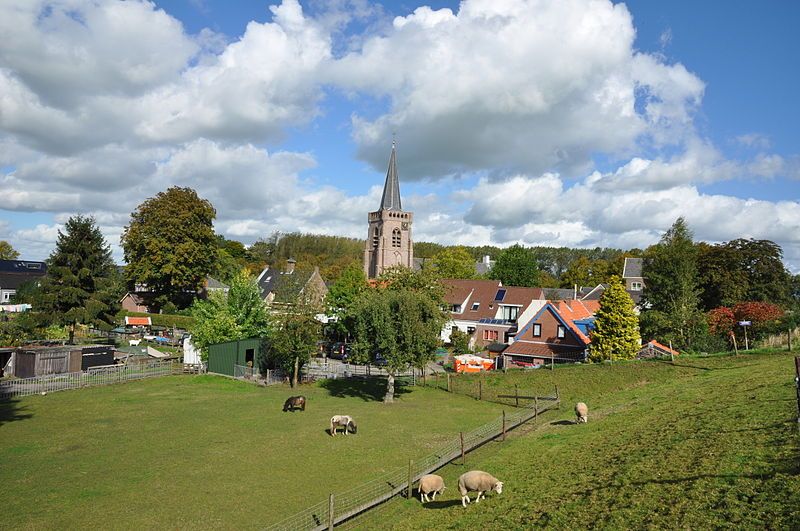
389 237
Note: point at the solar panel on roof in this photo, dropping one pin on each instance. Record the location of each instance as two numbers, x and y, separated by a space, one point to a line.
501 294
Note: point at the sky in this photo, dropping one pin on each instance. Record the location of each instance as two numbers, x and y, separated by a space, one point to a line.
577 123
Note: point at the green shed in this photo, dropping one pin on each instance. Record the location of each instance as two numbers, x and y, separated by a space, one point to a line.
223 356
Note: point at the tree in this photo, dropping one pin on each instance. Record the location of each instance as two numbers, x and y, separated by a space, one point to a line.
516 266
343 294
400 324
7 252
454 262
170 244
460 341
239 314
616 333
425 282
672 295
80 285
295 328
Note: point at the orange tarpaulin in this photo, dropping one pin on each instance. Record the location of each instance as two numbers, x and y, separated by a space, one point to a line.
137 321
470 363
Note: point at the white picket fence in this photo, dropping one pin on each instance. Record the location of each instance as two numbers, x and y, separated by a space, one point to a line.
105 375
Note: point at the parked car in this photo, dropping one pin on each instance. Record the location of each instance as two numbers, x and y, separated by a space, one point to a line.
380 361
339 351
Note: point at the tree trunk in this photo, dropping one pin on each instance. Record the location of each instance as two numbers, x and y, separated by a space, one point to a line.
295 371
72 333
389 397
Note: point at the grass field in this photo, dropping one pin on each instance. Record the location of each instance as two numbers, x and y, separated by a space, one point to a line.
706 443
204 451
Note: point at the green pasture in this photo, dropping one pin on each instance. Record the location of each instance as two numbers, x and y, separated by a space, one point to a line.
705 443
185 452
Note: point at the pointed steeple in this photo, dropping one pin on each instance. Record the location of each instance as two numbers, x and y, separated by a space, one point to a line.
391 189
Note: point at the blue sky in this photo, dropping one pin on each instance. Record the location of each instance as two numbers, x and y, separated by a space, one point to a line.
544 123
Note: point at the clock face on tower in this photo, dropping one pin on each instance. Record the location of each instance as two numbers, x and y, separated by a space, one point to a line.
405 225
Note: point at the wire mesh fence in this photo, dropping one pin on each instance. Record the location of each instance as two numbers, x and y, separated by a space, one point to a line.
94 376
344 505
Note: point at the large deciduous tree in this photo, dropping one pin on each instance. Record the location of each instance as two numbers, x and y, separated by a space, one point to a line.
616 333
516 266
672 294
401 325
454 262
170 244
239 314
7 252
80 286
343 293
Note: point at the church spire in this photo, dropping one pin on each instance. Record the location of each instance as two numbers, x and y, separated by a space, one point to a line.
391 189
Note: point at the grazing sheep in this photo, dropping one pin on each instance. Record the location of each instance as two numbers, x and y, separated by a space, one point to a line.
343 421
134 342
430 484
582 412
478 481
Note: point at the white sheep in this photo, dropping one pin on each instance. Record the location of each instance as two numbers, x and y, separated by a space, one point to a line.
476 480
430 484
582 412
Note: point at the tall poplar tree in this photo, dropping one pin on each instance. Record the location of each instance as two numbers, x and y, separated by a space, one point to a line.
80 286
616 333
516 266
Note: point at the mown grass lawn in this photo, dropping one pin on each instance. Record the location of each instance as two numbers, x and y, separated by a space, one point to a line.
205 452
706 443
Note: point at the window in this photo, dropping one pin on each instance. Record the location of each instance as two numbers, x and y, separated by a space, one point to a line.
490 335
561 331
396 238
470 330
475 306
6 296
636 286
501 294
456 308
510 313
375 237
537 330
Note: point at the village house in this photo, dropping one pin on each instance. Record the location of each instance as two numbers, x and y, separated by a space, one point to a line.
141 299
14 273
269 281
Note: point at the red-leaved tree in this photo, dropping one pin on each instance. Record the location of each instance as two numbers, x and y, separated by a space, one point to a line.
760 314
721 321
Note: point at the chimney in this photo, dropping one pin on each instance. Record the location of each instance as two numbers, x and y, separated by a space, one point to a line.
575 293
290 266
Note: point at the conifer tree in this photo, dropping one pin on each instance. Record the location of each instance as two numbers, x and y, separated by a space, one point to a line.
81 285
616 333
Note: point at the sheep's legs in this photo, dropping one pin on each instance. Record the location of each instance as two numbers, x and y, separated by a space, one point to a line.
478 499
465 500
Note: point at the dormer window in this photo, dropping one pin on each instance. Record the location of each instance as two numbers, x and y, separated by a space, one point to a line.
456 308
475 306
636 286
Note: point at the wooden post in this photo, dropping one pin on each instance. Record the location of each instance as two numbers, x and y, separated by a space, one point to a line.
330 512
448 383
797 384
504 424
480 389
789 340
410 478
746 346
558 398
735 348
463 458
516 395
535 407
671 352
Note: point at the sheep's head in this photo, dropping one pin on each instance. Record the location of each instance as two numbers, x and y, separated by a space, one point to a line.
352 426
498 487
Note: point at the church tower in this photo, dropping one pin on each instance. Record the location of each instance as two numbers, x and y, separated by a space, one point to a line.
389 237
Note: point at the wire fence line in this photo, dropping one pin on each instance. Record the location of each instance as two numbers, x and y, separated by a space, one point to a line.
105 375
346 504
478 387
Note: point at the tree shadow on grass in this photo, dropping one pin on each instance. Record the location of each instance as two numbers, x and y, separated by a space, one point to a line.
369 389
10 411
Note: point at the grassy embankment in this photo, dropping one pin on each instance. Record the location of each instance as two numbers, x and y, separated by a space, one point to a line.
707 443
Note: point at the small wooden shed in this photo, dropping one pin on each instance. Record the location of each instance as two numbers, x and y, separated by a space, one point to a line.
223 356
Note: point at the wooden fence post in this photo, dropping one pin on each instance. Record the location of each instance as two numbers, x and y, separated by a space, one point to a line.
535 407
516 395
558 399
789 339
410 477
331 520
504 424
480 389
463 458
797 384
448 383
